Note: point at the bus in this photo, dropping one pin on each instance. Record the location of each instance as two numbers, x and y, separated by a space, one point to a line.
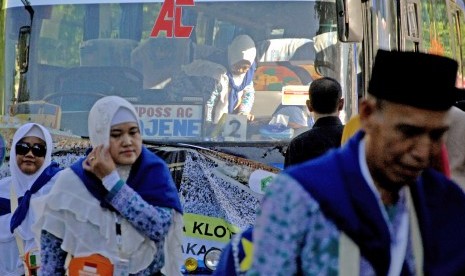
60 56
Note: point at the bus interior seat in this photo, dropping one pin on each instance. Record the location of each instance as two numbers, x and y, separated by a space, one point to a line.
107 52
304 57
280 49
224 36
75 109
326 48
159 59
201 51
105 68
76 90
107 80
282 62
305 52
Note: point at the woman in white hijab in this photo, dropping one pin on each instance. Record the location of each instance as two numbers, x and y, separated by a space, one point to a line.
227 89
240 95
119 203
32 175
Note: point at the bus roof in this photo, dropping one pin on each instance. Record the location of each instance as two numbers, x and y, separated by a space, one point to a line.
18 3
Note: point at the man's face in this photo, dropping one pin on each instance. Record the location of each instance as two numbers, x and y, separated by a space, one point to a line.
401 140
125 143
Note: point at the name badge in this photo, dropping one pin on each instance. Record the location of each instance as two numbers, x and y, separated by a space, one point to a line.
121 268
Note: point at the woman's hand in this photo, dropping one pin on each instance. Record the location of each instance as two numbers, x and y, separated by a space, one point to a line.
99 162
250 117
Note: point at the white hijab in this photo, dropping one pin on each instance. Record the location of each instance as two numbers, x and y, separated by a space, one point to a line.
101 118
105 113
241 48
22 181
112 110
76 217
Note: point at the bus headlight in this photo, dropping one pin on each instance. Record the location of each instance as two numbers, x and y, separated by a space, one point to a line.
211 258
191 264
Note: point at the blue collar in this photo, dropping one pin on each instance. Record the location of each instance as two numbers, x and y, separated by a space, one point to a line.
336 182
151 180
20 213
233 97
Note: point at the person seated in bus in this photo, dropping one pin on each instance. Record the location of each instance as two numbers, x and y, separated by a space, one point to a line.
300 118
287 121
123 212
32 174
226 89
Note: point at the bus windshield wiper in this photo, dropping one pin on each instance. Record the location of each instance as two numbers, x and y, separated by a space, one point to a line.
28 7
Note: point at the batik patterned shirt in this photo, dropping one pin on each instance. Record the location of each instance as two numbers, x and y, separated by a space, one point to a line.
154 223
292 234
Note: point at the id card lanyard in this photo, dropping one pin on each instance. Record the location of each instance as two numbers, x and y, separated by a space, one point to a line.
121 267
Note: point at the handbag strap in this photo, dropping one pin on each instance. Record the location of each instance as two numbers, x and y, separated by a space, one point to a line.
349 252
349 256
13 206
19 240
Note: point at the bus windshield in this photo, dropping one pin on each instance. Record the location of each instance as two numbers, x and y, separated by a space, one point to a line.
171 62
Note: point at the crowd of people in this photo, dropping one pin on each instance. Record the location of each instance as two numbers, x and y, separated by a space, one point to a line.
369 201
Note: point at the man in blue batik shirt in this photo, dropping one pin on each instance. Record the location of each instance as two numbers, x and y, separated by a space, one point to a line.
374 206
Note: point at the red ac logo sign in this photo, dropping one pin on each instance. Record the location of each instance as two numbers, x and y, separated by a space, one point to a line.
169 19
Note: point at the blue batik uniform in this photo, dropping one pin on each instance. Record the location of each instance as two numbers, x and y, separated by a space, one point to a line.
237 255
20 219
306 208
147 203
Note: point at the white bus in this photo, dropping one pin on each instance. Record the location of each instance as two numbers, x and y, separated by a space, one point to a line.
60 56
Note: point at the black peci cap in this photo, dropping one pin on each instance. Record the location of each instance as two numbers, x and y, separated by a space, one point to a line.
417 79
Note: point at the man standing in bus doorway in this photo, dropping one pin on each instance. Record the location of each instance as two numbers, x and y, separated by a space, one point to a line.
325 101
373 207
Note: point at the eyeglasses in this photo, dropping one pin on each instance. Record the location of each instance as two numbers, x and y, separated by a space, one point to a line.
37 149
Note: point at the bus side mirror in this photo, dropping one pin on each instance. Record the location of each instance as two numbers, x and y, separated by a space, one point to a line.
23 48
349 20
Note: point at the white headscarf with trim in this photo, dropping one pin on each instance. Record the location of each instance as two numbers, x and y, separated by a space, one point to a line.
76 217
21 180
241 48
101 118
